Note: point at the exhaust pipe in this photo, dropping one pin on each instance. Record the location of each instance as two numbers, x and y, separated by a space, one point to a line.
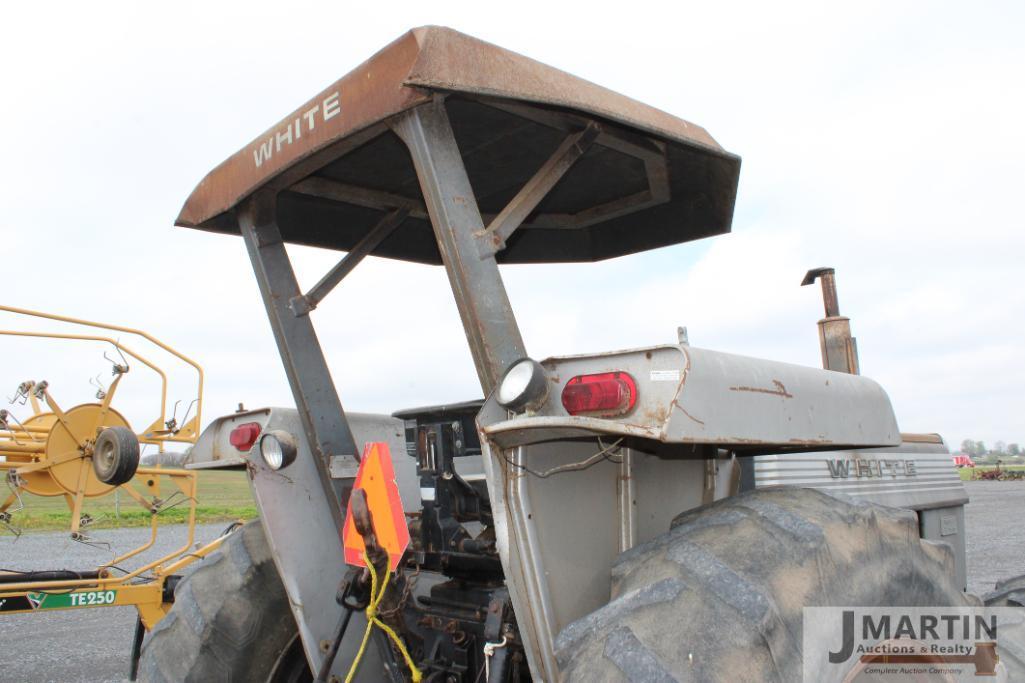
839 348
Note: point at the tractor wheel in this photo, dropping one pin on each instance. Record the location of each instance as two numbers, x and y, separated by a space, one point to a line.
719 597
116 455
1007 593
1011 593
230 621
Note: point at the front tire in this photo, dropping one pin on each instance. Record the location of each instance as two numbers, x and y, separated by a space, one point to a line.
230 621
720 596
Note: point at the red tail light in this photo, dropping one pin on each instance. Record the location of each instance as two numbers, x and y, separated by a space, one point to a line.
244 436
604 395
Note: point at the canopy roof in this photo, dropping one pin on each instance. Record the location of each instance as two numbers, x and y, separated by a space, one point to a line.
649 180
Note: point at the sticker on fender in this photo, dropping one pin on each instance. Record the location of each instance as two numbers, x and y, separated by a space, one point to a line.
66 600
376 476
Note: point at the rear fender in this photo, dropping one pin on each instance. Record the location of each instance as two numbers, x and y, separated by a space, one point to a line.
299 525
559 534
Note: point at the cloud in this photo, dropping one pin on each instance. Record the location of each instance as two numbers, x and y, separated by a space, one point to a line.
882 139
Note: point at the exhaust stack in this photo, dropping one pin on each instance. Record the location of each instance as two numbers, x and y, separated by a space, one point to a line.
839 348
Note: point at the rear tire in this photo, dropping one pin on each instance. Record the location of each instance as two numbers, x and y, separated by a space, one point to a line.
1011 593
1007 593
727 584
230 621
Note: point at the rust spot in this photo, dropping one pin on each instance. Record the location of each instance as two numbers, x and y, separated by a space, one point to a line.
731 441
779 390
679 390
684 411
654 414
647 354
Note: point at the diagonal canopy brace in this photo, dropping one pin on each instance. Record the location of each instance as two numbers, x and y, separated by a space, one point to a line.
492 240
304 303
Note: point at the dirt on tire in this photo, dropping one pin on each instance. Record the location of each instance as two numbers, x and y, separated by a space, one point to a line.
230 621
719 597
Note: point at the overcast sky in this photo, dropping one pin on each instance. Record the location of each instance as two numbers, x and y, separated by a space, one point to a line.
884 139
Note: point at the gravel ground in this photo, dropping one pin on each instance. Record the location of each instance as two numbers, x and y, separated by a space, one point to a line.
93 644
76 645
995 518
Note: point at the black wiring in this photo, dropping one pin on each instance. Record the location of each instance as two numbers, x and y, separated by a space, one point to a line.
607 453
27 573
120 569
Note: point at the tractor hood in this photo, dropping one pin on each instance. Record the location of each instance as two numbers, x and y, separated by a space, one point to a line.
687 395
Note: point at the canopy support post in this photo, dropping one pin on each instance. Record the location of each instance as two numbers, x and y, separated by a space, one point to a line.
320 411
491 329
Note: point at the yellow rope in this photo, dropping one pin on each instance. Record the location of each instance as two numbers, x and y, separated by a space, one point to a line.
375 599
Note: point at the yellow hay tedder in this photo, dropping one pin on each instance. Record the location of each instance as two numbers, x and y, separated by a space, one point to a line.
89 451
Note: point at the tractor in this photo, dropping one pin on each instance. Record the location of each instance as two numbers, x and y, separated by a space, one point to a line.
653 514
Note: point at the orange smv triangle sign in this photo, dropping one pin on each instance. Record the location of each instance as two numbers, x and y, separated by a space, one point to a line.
376 477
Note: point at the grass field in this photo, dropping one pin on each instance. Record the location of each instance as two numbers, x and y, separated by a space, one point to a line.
966 472
223 496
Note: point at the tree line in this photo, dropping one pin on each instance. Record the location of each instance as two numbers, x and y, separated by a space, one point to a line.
978 448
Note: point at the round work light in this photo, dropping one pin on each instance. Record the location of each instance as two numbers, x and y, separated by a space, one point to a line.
278 449
523 387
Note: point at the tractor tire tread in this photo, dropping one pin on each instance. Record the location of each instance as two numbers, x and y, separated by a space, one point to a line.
230 620
719 597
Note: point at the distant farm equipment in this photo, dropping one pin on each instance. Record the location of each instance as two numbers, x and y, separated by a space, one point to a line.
998 473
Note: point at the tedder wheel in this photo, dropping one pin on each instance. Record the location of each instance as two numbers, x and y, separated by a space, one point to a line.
230 621
719 597
40 482
116 455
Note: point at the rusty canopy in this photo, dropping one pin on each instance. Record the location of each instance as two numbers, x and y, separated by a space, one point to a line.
645 179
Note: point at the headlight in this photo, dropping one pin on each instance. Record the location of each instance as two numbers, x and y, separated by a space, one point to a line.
278 449
523 386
